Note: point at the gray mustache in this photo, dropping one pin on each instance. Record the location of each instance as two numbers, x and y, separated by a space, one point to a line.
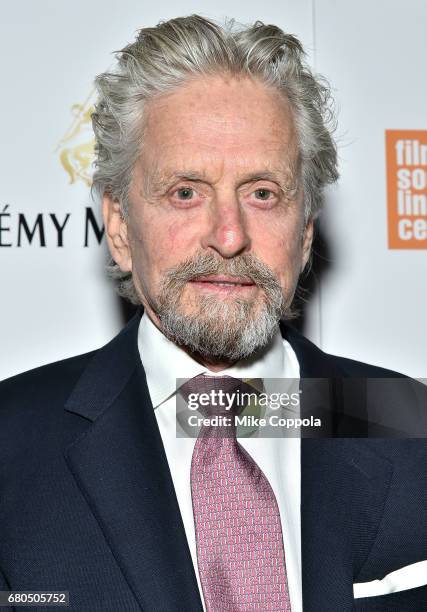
205 264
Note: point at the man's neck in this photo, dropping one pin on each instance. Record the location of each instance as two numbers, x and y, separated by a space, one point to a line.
212 365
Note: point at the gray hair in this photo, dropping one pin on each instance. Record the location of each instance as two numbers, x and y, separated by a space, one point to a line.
166 56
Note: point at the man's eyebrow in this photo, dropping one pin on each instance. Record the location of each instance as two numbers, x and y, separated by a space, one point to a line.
190 175
193 175
262 175
160 181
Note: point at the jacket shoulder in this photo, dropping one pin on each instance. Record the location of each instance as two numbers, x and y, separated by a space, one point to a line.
353 368
44 391
43 386
315 362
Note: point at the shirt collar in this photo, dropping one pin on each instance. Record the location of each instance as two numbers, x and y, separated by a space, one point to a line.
164 362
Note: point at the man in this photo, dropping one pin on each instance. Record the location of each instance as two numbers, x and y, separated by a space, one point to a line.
212 150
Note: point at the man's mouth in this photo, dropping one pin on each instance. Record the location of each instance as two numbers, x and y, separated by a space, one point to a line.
223 282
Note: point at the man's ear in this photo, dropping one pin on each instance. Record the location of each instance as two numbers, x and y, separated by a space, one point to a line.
307 242
116 232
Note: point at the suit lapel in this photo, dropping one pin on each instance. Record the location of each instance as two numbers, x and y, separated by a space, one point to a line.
121 468
344 484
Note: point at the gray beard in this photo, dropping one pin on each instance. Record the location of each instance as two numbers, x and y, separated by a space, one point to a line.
222 330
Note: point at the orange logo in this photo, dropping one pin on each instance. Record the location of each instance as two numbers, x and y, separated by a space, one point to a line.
406 152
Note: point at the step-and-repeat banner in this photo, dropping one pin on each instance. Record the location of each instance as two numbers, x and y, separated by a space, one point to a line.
369 296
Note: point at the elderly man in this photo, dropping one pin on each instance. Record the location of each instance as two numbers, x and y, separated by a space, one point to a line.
212 151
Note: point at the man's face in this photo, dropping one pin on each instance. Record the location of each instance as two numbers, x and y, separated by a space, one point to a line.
215 236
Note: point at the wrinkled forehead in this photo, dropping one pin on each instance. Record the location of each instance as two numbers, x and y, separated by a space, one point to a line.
223 120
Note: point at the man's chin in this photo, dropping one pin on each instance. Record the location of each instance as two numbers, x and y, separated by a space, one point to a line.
221 334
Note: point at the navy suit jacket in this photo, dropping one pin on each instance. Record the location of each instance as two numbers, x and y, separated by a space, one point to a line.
87 502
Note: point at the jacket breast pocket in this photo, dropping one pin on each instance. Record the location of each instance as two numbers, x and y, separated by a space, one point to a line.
410 600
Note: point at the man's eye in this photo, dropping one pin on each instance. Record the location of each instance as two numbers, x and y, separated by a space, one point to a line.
185 193
263 194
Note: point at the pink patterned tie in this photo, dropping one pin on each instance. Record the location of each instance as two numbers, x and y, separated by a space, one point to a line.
240 549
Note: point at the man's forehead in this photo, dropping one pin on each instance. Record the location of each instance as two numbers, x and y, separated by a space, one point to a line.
219 113
179 134
211 128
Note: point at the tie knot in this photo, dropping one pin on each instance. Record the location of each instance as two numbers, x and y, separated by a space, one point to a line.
219 395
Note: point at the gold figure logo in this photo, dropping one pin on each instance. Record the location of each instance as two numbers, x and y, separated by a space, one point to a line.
77 145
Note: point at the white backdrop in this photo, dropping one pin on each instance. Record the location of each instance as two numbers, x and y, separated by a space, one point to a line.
55 301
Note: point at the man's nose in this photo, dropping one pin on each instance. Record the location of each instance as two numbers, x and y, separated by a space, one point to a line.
227 228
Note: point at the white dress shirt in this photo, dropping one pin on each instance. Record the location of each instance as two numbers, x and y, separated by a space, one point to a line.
278 458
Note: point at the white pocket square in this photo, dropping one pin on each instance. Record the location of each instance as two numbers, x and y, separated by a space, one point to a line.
408 577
